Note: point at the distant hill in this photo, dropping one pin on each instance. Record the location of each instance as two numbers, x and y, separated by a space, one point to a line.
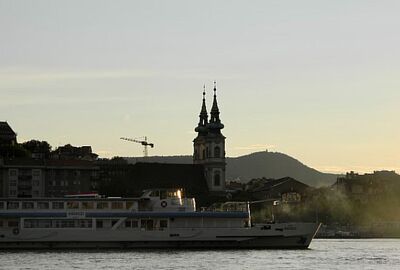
256 165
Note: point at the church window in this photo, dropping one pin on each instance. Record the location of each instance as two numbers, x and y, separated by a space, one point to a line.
217 179
217 152
204 154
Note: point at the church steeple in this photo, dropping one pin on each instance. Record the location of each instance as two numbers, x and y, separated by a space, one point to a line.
209 145
202 126
215 124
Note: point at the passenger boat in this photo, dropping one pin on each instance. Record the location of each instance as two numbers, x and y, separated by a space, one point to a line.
157 219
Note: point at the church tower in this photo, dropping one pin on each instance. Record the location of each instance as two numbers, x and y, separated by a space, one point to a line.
209 145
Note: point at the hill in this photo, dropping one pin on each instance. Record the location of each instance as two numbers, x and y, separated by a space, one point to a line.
256 165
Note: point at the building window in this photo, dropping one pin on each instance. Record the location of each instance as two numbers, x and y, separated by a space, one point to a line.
217 152
36 172
217 179
12 172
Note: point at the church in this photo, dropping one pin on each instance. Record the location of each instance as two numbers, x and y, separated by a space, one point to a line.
209 145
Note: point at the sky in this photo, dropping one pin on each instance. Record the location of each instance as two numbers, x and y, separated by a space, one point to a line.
318 80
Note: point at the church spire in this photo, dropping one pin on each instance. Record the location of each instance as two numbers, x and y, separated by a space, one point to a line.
215 123
201 127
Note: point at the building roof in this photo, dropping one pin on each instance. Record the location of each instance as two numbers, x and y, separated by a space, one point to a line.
6 131
23 162
69 163
31 162
276 183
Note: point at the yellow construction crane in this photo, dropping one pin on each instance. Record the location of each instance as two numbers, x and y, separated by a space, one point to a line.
142 141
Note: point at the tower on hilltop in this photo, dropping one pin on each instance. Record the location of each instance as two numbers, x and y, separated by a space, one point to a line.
209 145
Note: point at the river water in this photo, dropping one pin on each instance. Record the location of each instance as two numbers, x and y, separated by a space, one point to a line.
322 254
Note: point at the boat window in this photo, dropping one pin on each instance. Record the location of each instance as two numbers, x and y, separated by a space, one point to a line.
102 205
163 194
147 224
117 205
43 205
13 223
155 193
129 205
12 205
128 224
72 205
58 205
131 223
85 223
99 224
1 205
113 222
87 205
58 223
163 224
27 205
135 223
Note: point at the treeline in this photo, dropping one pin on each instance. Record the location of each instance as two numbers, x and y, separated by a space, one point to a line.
332 207
26 149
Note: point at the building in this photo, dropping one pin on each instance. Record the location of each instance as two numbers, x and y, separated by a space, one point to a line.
286 190
7 135
22 177
74 176
367 187
34 178
209 145
69 152
118 178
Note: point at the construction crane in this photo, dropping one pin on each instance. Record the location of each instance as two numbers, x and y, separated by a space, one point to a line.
142 141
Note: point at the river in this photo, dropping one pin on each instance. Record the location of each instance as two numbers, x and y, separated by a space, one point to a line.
322 254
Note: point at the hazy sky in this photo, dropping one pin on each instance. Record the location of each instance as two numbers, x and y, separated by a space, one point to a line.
318 80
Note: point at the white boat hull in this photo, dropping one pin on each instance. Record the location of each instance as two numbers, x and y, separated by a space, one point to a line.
280 235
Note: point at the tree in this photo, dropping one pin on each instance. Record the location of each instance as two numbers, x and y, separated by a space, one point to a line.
38 147
13 151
